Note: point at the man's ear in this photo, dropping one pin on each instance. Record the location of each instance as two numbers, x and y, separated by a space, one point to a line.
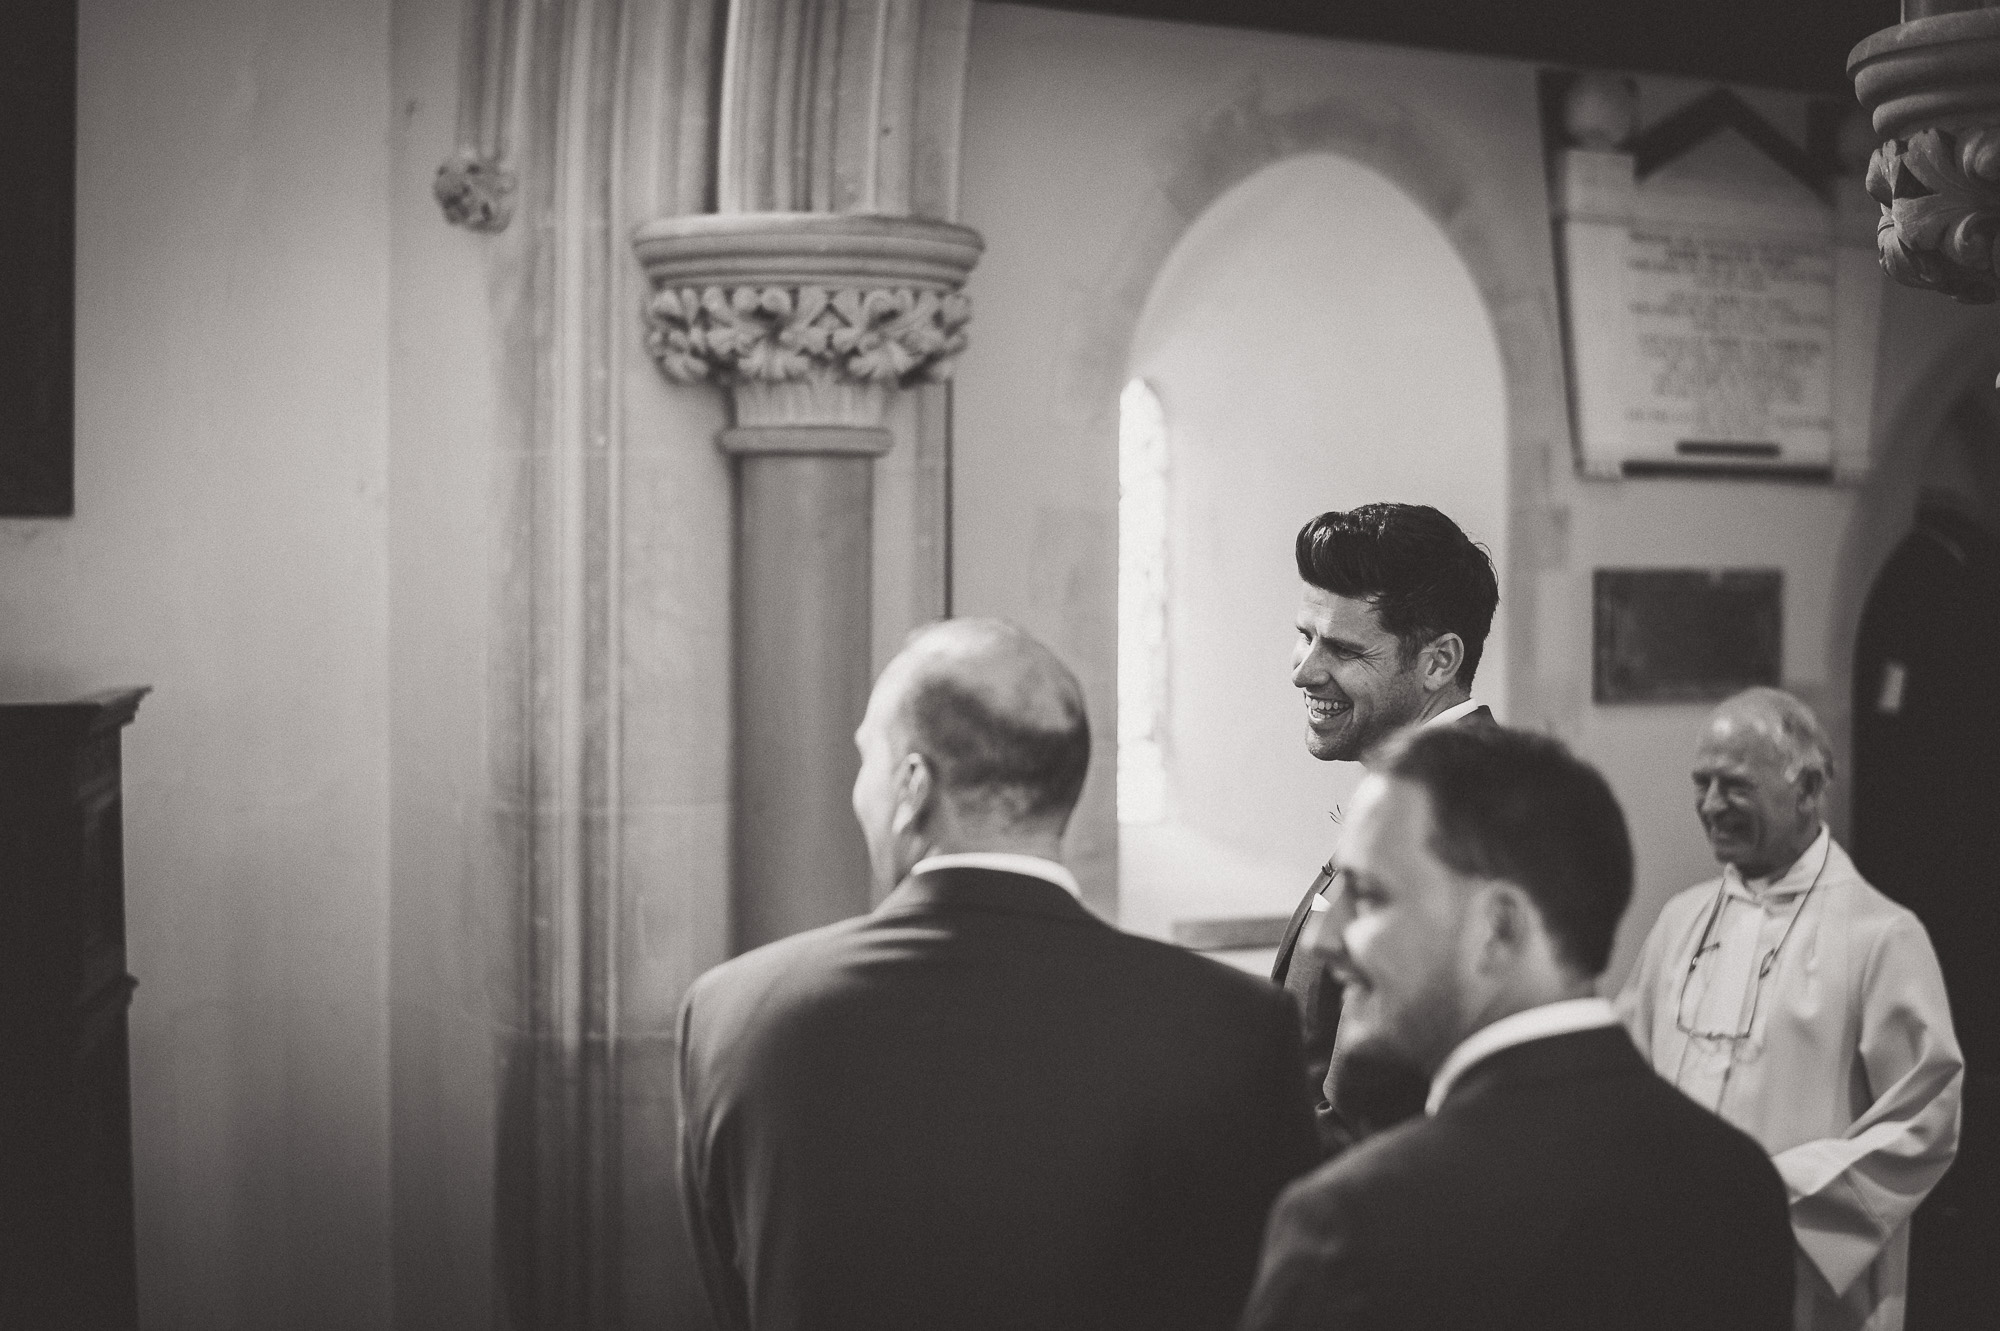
1511 921
916 788
1812 785
1443 656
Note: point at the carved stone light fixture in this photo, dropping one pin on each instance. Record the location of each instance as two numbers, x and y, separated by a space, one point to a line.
1932 86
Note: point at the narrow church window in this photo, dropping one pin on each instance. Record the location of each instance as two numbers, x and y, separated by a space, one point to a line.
1142 604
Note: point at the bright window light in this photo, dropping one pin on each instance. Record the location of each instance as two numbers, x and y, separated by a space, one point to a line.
1142 604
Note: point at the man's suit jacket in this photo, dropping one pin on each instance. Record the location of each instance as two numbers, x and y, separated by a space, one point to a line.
1560 1185
1392 1093
982 1107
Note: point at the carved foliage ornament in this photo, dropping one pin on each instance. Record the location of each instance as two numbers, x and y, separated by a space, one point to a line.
752 334
475 192
1940 197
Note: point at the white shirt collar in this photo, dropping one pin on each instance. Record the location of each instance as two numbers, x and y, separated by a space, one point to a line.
1561 1018
1451 714
1031 866
1800 876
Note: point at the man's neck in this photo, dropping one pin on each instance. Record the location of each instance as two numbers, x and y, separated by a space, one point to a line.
1442 701
1042 845
1525 997
1434 704
1782 864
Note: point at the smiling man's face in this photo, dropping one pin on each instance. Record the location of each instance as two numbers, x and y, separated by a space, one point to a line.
1756 817
1395 936
1358 689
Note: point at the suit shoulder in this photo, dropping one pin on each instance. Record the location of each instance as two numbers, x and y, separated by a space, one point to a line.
1379 1168
1729 1162
1697 1141
763 969
1192 973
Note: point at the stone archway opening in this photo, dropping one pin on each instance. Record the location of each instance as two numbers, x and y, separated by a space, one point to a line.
1296 366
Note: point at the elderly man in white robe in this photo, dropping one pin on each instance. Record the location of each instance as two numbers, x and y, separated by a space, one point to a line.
1806 1008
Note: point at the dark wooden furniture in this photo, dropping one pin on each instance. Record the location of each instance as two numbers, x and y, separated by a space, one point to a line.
66 1243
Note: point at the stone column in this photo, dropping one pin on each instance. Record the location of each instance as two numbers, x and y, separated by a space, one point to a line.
826 281
811 321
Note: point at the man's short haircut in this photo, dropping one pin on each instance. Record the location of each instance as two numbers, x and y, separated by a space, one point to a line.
982 753
1422 574
1520 807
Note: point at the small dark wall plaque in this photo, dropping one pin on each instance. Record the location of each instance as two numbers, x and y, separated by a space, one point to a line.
1685 635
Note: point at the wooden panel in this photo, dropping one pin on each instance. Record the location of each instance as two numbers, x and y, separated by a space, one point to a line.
66 1238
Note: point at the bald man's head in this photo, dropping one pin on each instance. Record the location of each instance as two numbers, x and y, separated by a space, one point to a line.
1787 727
975 730
997 713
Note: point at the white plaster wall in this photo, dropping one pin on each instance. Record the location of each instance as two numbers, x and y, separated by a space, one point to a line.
1299 373
228 549
449 922
1091 143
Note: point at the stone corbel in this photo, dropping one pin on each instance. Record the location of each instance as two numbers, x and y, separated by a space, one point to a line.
475 186
1932 87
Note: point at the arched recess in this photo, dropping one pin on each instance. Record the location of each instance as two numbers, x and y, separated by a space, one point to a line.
1081 210
1299 371
1501 237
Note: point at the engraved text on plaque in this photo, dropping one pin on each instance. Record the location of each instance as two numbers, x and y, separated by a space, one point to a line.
1731 341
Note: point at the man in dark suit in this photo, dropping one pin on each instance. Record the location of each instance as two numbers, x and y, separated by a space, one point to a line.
1555 1181
980 1106
1392 623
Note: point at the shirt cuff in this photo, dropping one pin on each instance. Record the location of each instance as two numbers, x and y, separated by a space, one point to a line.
1810 1166
1836 1229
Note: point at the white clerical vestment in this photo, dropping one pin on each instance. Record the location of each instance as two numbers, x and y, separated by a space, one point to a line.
1814 1019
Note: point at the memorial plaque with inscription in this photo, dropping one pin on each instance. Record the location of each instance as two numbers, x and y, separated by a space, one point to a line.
1721 296
1731 342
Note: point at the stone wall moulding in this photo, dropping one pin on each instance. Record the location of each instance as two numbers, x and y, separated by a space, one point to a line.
809 318
1932 87
475 186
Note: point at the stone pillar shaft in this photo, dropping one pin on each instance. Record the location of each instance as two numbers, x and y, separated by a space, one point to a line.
804 536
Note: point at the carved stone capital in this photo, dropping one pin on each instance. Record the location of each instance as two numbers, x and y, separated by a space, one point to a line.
1932 87
475 192
810 318
777 334
1940 197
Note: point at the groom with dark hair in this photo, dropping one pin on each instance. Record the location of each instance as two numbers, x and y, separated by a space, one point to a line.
1392 623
